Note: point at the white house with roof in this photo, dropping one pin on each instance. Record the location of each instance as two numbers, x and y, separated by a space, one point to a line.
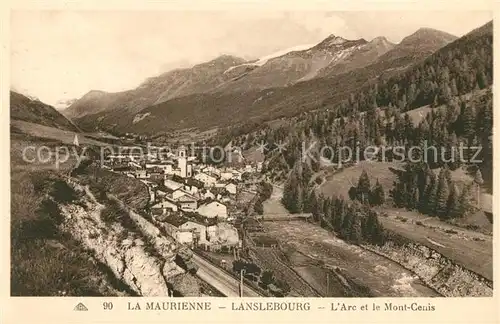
223 234
213 209
249 168
231 188
226 175
192 186
208 180
187 203
208 195
176 194
199 231
185 237
191 189
237 175
210 169
165 205
141 174
171 184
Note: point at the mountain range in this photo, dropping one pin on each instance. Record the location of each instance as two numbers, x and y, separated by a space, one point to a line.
230 90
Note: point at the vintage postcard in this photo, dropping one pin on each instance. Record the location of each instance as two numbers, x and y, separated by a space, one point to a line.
307 161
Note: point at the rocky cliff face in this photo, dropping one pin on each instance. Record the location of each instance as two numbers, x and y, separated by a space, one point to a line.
436 271
147 271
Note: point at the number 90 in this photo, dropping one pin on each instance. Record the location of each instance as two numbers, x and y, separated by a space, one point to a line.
107 305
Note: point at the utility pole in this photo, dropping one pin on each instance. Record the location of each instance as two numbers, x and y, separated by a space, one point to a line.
328 283
242 272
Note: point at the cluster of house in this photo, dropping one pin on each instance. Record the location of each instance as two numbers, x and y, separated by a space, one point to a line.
212 237
179 185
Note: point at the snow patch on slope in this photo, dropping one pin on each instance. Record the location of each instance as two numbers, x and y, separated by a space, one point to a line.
139 117
263 60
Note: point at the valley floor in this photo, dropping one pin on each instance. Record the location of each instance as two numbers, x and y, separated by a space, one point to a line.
382 277
313 252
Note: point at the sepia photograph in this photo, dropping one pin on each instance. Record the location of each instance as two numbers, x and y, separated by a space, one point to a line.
251 153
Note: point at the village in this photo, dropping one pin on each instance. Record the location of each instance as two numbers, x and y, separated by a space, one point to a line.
194 202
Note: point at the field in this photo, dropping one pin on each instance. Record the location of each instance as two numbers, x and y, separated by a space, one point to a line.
51 133
339 182
186 136
25 156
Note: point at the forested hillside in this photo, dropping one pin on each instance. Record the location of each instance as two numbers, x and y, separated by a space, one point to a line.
444 102
453 86
34 111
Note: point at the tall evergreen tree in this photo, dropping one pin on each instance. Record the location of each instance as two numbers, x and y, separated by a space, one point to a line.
478 181
364 187
465 198
292 193
468 120
442 195
356 234
411 187
371 228
431 196
454 203
347 224
377 195
299 202
340 211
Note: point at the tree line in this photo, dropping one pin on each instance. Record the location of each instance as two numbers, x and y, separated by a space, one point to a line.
458 69
418 188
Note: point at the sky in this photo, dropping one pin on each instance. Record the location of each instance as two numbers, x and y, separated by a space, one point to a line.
61 55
